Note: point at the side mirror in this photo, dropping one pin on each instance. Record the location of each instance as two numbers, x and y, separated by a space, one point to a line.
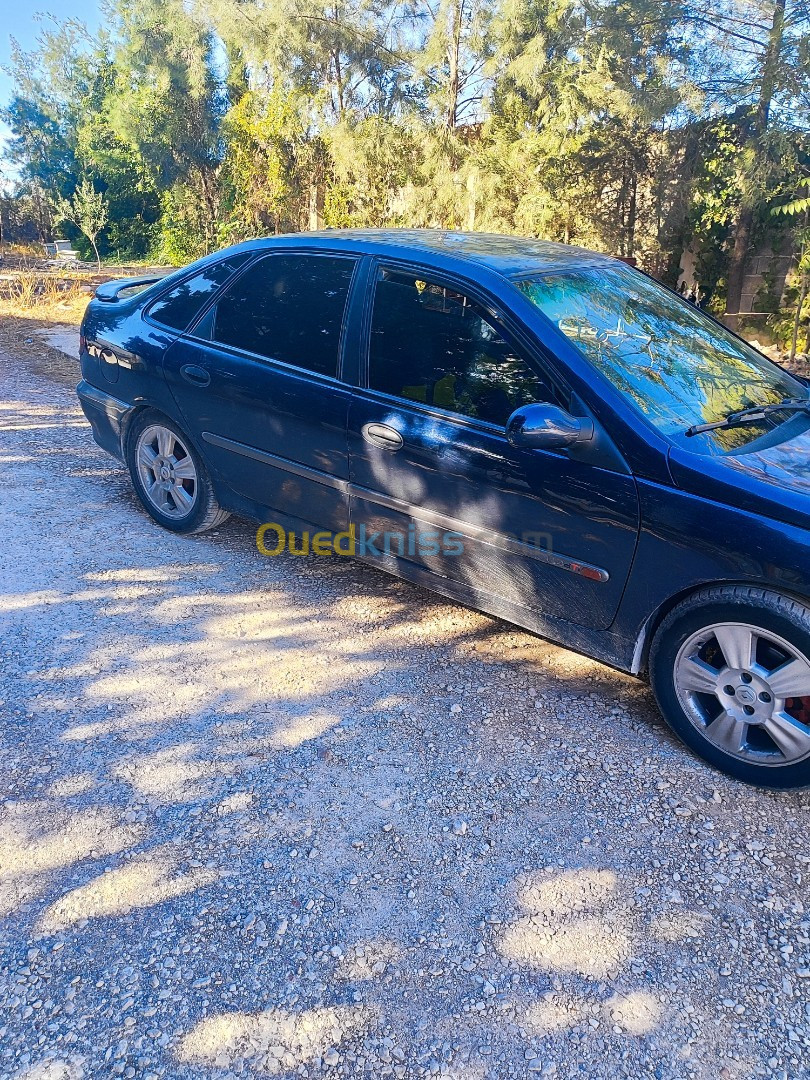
546 427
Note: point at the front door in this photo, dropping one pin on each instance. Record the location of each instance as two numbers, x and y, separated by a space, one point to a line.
435 482
257 383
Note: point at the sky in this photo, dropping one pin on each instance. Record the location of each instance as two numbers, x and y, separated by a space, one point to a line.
19 20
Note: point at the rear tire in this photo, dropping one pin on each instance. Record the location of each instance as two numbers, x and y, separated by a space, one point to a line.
730 669
169 476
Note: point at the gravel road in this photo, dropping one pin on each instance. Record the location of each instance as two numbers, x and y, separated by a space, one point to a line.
291 817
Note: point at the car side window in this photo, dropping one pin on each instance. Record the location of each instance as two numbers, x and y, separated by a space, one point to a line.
180 305
432 344
288 308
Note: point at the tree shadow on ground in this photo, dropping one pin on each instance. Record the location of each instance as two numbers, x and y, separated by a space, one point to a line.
265 814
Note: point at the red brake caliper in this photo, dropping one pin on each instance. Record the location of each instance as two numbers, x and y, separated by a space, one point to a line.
799 709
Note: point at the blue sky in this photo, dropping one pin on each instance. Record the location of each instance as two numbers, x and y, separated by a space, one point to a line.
19 21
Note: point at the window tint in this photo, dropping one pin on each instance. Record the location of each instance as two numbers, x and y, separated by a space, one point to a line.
434 345
180 305
288 308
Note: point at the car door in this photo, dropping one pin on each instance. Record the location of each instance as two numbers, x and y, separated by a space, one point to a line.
257 383
435 481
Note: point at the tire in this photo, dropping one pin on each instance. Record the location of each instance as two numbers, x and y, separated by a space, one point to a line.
169 476
730 670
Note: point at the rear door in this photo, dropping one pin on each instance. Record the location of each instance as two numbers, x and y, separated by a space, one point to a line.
435 482
258 383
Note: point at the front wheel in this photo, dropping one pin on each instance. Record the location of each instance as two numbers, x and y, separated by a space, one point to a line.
169 476
730 670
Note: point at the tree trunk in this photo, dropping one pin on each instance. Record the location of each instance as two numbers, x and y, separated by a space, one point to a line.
739 255
42 215
315 205
95 249
453 58
797 320
339 91
630 243
759 126
621 201
209 203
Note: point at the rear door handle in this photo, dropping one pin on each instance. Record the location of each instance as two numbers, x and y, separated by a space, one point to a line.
382 435
194 374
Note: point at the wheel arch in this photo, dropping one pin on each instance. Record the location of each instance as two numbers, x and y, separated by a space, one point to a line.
127 422
138 409
649 629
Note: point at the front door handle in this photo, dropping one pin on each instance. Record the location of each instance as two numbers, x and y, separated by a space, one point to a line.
382 435
194 374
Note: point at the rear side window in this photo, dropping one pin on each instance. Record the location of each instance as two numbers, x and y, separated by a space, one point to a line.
180 305
288 308
432 344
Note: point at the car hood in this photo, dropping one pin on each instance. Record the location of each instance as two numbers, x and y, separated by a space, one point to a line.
773 481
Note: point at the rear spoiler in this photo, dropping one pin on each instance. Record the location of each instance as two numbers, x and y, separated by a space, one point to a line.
110 291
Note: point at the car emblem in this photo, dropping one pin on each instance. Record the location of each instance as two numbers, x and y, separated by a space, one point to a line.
746 695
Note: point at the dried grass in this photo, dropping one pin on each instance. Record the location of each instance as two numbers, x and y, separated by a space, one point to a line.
30 294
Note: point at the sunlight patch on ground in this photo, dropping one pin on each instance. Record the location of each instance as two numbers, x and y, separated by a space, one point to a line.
45 597
27 408
69 786
637 1013
23 601
573 890
167 574
56 1069
584 946
282 733
172 774
275 1041
36 839
237 803
555 1013
59 425
254 651
146 880
558 935
295 732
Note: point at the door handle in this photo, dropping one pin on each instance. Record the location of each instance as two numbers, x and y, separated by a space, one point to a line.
382 435
196 375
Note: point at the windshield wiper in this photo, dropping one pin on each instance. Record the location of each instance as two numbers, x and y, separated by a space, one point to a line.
751 415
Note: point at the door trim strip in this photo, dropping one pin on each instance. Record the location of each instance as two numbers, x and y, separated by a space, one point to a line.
431 517
482 535
305 471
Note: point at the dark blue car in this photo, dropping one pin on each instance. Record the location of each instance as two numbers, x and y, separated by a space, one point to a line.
540 432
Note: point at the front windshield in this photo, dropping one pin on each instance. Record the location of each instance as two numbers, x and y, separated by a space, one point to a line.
677 366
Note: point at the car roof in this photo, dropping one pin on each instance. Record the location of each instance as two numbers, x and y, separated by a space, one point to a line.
511 256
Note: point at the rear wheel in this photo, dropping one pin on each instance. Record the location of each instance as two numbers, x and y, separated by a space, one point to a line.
730 668
169 476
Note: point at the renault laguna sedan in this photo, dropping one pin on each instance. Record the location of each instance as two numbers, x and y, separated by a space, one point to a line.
537 431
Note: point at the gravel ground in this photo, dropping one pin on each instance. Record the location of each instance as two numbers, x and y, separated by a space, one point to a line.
291 817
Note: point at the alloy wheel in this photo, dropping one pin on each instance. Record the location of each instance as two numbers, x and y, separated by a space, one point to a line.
167 471
747 691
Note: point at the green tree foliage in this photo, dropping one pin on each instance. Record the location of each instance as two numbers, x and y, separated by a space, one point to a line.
272 159
167 102
659 130
87 209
